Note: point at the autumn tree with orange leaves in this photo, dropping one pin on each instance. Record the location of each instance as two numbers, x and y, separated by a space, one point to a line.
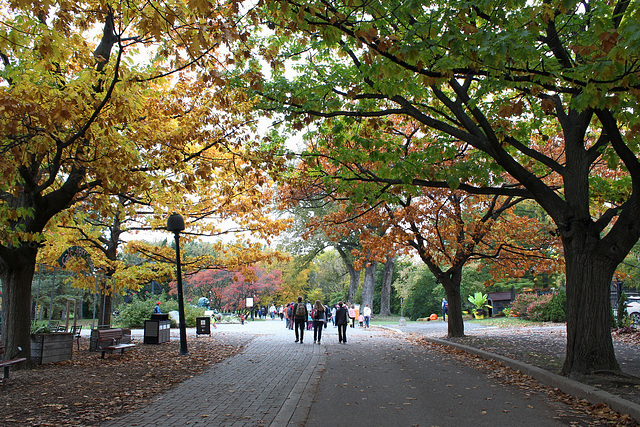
447 229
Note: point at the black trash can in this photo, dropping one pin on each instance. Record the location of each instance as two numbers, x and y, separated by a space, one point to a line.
157 330
203 326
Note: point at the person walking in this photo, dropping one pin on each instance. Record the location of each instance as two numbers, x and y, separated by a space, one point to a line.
445 309
367 315
300 314
319 316
342 316
328 315
290 315
352 316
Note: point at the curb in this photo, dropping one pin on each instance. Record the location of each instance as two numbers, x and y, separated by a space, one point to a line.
566 385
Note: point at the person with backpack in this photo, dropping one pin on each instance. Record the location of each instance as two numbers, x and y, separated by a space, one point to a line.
328 314
300 314
289 315
319 316
342 316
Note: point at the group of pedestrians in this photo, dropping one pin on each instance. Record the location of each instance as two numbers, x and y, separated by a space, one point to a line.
299 315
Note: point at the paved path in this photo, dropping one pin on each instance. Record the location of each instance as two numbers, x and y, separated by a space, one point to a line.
378 379
264 385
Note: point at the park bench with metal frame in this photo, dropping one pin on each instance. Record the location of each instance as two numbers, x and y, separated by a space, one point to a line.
112 337
75 330
6 364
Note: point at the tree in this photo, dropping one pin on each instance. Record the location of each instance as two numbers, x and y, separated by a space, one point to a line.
70 108
257 285
446 229
209 284
309 205
509 80
329 276
385 292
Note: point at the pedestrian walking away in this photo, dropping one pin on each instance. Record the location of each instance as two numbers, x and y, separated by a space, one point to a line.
352 316
445 309
342 316
367 315
300 314
289 315
319 316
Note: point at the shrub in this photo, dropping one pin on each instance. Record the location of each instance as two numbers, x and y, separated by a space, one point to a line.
134 314
190 314
520 305
541 308
623 319
558 306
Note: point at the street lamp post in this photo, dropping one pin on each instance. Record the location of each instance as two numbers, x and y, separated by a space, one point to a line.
175 224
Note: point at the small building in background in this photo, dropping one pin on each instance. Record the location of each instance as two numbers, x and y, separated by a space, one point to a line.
500 300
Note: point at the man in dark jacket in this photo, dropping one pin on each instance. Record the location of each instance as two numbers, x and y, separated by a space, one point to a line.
342 319
300 315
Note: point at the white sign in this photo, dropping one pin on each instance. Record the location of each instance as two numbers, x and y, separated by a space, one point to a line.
249 302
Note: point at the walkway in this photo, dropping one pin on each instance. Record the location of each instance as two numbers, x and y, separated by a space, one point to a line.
267 384
378 379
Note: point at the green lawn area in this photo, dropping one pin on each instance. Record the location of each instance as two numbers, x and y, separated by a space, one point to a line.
501 322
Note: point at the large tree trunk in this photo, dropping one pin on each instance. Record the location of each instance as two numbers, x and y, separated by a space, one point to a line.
354 275
451 283
354 281
589 342
16 271
385 292
369 284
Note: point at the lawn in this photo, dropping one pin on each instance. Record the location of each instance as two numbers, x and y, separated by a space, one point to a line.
501 322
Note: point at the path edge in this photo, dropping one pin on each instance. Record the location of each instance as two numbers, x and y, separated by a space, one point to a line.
564 384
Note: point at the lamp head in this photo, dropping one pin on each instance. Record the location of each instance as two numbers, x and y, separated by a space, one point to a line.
175 223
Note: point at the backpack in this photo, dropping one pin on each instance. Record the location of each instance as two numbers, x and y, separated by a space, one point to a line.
300 310
314 314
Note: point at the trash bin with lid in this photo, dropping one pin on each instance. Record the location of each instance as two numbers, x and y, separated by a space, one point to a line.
157 330
203 326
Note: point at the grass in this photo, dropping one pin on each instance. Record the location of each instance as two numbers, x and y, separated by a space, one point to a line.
388 320
500 322
507 322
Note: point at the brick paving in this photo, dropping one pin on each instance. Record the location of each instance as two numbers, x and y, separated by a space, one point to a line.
376 379
270 382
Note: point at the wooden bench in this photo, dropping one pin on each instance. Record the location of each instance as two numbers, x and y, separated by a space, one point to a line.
6 364
75 330
112 337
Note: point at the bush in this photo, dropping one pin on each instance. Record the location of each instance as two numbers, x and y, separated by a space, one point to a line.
557 309
521 304
537 310
623 319
541 308
190 314
134 314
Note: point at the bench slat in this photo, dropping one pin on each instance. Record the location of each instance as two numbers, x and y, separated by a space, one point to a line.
111 335
7 363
